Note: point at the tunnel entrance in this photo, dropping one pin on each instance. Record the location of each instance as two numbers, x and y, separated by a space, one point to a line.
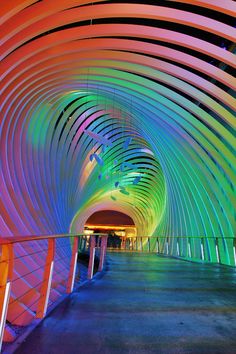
119 226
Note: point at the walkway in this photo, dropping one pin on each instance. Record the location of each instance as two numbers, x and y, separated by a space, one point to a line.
144 304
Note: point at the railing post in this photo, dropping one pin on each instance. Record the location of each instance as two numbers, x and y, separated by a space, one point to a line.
167 246
189 248
141 244
202 249
84 243
91 256
6 272
103 247
234 250
73 263
80 243
157 245
149 248
47 280
177 247
217 250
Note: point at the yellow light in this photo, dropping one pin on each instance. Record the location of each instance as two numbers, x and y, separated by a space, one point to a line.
109 227
88 232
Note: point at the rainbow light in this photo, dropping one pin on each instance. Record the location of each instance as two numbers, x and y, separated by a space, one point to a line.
121 71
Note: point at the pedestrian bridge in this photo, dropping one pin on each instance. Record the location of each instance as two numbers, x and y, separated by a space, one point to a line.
121 106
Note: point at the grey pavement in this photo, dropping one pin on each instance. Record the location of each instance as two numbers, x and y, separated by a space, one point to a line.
144 304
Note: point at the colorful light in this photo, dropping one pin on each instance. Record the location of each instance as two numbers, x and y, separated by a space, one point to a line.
139 89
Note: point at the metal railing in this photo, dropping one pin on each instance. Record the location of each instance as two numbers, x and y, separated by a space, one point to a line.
209 249
36 271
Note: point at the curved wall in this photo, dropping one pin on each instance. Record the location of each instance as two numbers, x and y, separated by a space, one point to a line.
155 83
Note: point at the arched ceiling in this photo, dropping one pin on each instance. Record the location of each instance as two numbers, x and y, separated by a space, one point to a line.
126 106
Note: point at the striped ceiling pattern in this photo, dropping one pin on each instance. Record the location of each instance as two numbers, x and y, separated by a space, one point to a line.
127 106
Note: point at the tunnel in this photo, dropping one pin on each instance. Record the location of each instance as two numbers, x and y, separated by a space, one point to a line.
126 106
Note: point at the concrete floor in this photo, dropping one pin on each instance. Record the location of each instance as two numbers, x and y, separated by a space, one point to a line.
144 304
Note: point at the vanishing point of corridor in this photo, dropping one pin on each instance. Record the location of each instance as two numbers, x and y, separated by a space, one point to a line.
144 304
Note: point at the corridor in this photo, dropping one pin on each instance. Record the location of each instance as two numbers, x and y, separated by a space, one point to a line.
144 304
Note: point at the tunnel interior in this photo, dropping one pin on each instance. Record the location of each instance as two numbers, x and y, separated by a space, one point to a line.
121 106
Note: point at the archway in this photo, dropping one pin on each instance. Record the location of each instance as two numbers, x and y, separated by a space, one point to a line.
114 223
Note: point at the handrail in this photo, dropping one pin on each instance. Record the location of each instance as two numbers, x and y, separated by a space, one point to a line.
36 270
21 238
187 237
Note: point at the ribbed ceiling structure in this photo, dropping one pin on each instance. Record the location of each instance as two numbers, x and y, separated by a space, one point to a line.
118 105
